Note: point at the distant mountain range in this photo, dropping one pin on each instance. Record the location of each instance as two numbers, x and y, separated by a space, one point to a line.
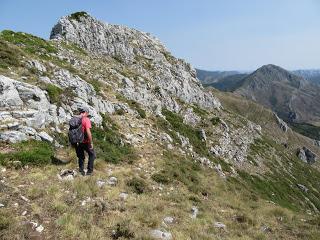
294 96
228 80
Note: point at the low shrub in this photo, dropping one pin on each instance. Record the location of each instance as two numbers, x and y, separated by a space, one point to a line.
137 185
123 231
29 152
54 93
109 145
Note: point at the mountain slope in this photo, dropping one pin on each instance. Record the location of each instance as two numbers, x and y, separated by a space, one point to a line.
171 161
290 96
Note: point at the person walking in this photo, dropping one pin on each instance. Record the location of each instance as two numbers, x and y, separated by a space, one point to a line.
81 138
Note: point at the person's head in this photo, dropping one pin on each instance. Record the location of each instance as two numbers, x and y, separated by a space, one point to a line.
84 111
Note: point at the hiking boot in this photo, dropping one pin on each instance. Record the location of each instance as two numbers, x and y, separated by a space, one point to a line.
82 173
89 173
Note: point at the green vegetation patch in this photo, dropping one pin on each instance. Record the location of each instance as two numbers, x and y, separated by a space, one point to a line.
109 145
175 121
138 185
280 183
9 55
29 153
306 129
54 93
134 105
30 43
181 169
78 15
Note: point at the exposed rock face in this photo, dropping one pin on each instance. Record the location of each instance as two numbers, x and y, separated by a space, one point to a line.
306 155
24 108
174 76
281 123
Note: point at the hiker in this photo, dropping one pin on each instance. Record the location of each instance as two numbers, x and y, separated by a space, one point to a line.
80 137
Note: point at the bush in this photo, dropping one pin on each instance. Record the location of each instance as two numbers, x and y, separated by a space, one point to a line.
78 15
138 185
215 120
109 145
54 93
29 152
123 231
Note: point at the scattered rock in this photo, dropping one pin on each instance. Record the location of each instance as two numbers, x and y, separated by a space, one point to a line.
39 228
203 135
194 212
24 198
123 196
266 229
159 234
1 205
67 174
303 188
168 220
283 126
306 155
112 181
45 137
218 169
219 225
101 183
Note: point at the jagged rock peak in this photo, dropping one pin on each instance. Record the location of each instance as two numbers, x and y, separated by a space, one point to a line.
107 39
133 48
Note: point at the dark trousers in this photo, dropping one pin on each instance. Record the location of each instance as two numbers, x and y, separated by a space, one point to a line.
80 149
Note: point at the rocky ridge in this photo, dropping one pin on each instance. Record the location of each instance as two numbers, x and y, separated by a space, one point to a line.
183 151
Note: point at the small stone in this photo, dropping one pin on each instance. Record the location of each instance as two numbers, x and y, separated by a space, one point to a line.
159 234
302 187
123 196
219 225
194 212
24 213
45 137
67 174
40 228
3 170
101 183
168 220
25 199
1 205
112 181
266 229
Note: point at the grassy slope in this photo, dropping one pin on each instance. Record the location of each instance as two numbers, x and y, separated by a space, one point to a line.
159 183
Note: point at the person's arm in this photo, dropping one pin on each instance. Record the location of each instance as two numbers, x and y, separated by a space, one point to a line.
89 135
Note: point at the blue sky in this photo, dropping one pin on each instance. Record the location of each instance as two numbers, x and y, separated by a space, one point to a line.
210 34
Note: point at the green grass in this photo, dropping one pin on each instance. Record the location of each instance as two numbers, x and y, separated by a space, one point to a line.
175 121
134 105
9 56
280 183
29 153
181 169
306 129
54 93
109 145
30 43
97 86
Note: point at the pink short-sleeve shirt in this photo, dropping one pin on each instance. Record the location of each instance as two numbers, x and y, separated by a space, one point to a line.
85 125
